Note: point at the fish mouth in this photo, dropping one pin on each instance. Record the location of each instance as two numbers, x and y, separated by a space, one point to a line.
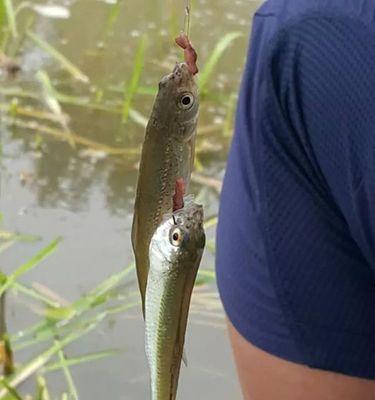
180 75
181 69
190 216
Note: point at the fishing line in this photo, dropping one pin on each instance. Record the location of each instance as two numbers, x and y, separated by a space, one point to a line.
187 17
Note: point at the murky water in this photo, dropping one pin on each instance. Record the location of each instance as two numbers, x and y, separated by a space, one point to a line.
86 197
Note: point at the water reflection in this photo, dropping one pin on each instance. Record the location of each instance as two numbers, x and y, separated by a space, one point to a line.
105 51
85 195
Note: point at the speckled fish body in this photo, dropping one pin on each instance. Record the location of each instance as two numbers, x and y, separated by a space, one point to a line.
167 154
175 253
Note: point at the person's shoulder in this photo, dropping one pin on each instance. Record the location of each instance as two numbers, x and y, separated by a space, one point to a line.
301 21
284 11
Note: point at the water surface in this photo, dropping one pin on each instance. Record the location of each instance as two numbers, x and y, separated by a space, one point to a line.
50 189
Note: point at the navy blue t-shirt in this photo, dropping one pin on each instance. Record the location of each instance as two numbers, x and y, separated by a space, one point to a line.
296 235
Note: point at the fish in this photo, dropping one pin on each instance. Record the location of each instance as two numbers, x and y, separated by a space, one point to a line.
176 250
167 155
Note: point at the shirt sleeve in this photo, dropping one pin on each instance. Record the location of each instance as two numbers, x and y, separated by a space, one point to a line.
322 73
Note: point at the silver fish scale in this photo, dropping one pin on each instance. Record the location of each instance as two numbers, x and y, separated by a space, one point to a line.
160 293
170 282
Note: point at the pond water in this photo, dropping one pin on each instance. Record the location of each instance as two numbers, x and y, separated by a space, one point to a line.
85 195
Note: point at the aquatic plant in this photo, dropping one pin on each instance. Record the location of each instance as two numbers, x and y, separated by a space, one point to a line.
44 107
121 104
60 324
131 89
63 323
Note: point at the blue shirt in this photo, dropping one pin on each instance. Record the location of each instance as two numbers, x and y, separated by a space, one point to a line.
296 234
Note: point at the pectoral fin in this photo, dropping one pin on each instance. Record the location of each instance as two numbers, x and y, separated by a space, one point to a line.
140 261
184 358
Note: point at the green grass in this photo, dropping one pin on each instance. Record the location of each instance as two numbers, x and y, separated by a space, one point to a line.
214 58
60 325
8 281
40 109
132 87
62 60
42 389
50 99
117 100
112 18
3 22
72 390
87 358
9 10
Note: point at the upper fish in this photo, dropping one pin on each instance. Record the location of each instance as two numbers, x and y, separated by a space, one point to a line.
167 155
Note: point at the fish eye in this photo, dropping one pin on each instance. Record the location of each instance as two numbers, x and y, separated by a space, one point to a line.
176 237
186 101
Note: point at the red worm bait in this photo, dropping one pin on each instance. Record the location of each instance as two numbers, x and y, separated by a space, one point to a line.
178 198
189 53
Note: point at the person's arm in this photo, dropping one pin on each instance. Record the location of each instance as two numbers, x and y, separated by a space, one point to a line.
319 173
323 72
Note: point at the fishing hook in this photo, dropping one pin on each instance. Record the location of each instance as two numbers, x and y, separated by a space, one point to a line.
187 18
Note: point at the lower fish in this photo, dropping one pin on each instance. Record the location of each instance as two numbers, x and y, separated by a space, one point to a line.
176 250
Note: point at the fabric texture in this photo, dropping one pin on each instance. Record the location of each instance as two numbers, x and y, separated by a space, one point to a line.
296 234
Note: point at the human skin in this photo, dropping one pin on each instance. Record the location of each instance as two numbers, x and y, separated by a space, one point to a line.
266 377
